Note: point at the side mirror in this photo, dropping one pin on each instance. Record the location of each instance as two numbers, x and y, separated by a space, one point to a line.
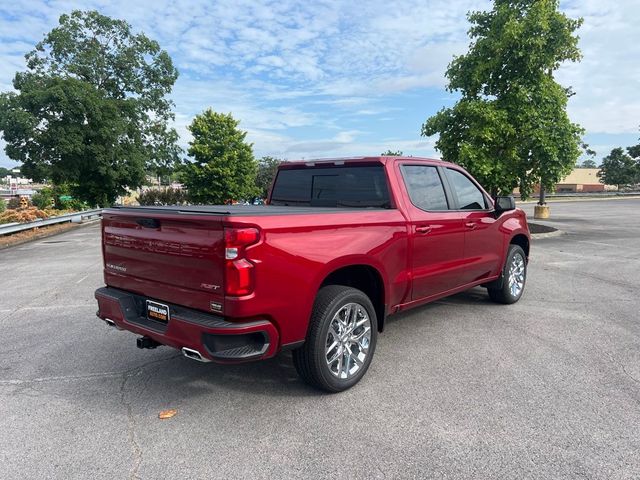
504 204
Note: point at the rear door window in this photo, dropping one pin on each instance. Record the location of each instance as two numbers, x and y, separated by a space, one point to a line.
425 188
470 197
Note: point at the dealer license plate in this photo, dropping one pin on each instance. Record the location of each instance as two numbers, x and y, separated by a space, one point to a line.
157 311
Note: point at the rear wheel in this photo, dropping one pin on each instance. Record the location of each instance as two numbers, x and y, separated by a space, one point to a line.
514 277
341 340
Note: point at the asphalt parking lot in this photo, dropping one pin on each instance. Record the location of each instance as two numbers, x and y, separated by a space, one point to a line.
462 388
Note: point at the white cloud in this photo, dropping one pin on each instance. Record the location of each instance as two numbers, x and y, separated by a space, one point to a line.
349 144
296 72
607 80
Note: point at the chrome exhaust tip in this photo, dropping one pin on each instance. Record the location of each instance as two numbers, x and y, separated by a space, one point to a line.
194 355
109 322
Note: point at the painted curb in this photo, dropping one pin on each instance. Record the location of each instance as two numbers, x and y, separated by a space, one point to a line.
578 199
538 236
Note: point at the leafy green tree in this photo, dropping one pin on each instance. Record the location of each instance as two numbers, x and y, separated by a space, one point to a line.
223 167
391 153
589 163
91 111
162 196
4 172
634 151
510 127
267 169
619 169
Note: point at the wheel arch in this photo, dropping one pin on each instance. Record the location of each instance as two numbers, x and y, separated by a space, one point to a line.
521 240
365 278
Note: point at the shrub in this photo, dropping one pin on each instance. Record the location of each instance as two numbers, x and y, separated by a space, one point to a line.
57 197
165 196
28 214
3 205
71 204
148 197
13 203
43 199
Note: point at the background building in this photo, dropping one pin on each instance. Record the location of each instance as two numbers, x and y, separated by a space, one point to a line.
583 180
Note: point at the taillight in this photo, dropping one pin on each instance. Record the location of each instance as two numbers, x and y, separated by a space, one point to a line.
238 270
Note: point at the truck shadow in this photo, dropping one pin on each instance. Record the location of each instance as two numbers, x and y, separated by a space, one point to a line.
163 377
476 297
273 377
178 377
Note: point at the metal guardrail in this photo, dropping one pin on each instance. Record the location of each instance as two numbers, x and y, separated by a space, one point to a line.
75 217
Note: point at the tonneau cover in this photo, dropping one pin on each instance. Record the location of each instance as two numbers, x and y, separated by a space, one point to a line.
240 210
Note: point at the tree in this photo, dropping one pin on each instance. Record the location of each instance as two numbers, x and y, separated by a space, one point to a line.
162 196
619 169
91 109
4 172
634 151
589 163
510 127
391 153
223 167
267 168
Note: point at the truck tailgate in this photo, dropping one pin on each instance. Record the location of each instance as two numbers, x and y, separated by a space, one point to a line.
153 247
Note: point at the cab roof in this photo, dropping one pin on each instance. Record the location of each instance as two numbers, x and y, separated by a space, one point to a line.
383 159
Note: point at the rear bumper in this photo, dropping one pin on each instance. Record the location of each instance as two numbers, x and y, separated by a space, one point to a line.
214 337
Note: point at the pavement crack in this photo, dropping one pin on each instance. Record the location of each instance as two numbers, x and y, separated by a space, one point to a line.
24 385
628 374
131 428
136 449
61 378
86 376
613 360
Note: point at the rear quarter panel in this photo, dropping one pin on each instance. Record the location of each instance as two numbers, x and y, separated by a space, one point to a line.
297 252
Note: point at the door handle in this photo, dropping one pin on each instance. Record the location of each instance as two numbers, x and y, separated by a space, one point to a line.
423 229
471 225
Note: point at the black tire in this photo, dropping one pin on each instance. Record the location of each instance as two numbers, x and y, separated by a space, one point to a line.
504 294
310 360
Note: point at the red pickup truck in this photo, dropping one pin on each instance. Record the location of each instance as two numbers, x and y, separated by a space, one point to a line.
341 245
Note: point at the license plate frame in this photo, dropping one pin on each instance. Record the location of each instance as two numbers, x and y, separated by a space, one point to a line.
158 312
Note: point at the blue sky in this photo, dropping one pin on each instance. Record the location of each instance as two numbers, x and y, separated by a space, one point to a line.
336 78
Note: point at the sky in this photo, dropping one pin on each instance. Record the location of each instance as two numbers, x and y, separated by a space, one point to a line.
334 78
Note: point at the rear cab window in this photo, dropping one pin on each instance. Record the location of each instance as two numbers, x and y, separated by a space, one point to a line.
360 186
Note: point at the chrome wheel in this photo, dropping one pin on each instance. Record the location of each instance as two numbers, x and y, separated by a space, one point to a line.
516 275
348 340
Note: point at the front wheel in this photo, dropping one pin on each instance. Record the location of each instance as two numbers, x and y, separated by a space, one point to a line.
514 277
341 340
